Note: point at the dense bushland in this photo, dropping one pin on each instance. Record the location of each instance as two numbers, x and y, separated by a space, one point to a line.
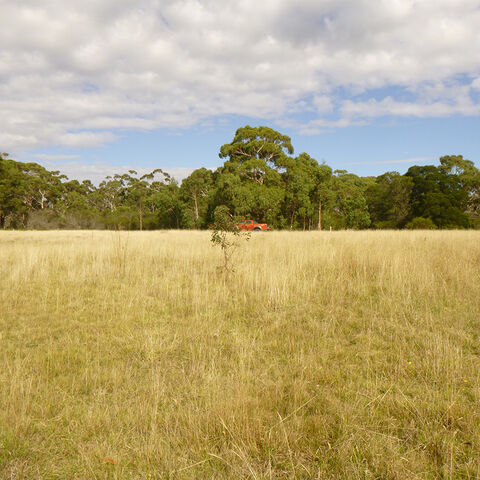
260 179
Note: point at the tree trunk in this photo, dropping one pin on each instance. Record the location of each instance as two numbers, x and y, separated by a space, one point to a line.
140 213
196 208
319 215
42 199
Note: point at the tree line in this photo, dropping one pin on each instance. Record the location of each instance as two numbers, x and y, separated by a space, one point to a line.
260 179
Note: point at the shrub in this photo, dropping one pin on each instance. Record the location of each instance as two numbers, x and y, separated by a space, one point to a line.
421 223
226 234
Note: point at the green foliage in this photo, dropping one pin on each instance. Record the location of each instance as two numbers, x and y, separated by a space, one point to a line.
260 180
13 190
439 196
195 191
420 223
301 178
256 152
468 176
250 182
348 208
389 200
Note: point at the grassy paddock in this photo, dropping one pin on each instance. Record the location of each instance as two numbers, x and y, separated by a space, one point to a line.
350 355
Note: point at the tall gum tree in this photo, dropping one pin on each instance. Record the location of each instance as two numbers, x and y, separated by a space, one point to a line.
195 190
348 207
389 201
256 157
468 176
439 196
256 153
304 179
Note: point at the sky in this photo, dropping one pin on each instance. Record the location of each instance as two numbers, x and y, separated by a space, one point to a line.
97 87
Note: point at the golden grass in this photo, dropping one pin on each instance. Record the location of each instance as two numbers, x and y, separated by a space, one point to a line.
326 355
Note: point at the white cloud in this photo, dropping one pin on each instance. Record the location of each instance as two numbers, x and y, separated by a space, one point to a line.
323 104
51 157
476 84
97 171
74 73
85 139
389 106
415 160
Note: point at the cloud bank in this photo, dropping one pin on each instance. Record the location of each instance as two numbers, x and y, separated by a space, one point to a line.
79 73
98 171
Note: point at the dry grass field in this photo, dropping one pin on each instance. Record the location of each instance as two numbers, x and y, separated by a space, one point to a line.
329 355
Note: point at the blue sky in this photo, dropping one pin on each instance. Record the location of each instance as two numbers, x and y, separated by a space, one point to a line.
371 149
368 86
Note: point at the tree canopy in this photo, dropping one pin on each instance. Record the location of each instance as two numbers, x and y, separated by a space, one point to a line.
260 179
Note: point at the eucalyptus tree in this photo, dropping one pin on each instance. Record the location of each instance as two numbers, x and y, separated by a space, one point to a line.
303 177
80 205
168 205
256 153
44 188
468 176
13 185
24 188
389 200
195 191
348 208
110 193
138 189
439 196
250 181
